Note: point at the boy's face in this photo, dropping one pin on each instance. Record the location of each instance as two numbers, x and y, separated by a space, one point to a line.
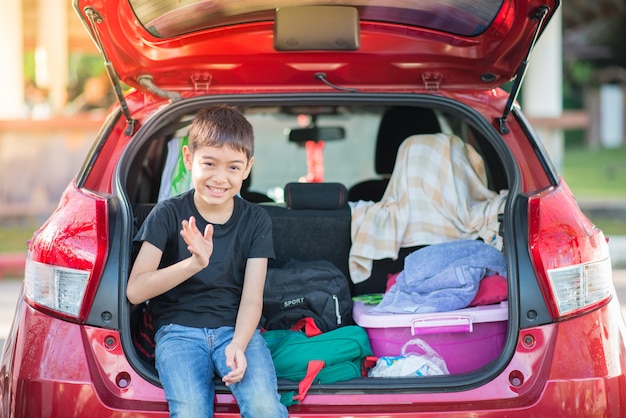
217 173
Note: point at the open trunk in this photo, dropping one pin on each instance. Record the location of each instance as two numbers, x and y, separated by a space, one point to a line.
284 153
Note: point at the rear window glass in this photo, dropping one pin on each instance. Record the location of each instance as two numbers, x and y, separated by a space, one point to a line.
176 17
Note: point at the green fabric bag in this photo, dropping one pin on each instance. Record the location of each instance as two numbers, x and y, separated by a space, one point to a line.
309 356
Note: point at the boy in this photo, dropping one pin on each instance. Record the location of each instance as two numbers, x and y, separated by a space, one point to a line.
206 288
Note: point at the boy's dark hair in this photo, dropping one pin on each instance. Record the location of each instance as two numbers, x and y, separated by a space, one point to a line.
220 125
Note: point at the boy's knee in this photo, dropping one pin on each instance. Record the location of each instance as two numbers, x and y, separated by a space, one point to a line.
190 408
264 406
259 401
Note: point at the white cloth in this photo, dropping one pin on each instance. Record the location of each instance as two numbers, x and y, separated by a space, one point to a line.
436 193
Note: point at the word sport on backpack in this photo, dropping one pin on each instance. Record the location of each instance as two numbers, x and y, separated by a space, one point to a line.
306 289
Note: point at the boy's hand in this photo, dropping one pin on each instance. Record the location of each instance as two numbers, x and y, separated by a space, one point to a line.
200 246
236 360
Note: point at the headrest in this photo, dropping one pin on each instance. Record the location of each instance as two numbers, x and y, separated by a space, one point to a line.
397 124
326 196
245 186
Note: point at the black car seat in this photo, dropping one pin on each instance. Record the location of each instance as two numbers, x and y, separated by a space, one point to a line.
252 196
398 123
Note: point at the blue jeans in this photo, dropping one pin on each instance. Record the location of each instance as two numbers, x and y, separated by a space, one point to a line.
188 359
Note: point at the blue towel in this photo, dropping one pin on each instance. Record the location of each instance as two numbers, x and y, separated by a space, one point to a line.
442 277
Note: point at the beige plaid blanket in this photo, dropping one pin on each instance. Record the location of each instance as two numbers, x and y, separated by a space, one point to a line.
436 193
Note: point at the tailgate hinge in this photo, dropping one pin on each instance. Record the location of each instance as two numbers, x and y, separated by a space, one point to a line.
432 81
201 82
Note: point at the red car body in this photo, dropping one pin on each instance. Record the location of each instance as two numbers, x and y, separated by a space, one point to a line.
70 351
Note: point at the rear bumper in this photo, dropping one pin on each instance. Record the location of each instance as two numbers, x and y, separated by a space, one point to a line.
52 368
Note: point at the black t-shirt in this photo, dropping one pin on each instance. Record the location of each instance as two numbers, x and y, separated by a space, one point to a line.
211 297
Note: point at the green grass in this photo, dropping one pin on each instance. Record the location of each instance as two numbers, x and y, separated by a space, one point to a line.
14 238
610 227
594 174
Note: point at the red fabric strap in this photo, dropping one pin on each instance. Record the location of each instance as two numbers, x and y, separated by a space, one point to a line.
312 370
308 326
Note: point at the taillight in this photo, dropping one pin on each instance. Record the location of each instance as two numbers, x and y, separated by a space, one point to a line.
67 255
578 287
61 289
570 255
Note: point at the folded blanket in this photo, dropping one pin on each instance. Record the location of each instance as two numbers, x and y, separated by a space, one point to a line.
437 193
442 277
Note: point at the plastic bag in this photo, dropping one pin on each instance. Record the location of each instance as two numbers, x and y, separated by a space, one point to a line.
411 364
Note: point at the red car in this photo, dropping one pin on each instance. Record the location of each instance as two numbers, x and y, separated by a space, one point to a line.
332 89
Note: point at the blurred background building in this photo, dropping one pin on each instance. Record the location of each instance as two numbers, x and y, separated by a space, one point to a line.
56 93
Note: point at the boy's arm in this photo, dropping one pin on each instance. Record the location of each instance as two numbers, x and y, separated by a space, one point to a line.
248 318
146 280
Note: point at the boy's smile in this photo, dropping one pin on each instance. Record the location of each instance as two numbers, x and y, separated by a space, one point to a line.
217 174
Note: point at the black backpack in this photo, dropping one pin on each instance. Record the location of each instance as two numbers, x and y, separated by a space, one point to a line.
306 289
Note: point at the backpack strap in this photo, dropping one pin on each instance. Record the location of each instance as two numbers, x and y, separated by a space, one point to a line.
310 329
312 370
313 367
292 398
308 326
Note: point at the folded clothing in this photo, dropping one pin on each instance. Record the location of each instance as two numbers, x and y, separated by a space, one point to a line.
442 277
492 289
